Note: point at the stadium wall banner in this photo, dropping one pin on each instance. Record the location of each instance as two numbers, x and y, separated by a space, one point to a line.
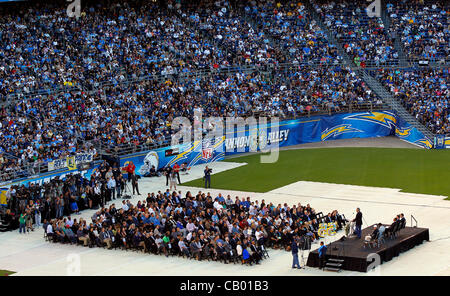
255 138
325 128
284 133
197 152
46 177
408 133
70 162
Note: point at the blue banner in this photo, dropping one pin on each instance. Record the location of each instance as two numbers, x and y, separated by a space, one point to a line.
410 134
191 154
315 129
260 137
46 177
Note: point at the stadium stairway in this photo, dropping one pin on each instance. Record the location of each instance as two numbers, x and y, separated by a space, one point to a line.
385 17
393 103
330 35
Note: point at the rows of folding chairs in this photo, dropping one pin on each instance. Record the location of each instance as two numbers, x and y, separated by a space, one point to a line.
171 250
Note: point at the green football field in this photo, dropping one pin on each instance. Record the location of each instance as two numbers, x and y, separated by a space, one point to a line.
5 272
412 170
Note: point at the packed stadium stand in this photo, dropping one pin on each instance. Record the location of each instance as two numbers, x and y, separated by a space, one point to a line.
117 75
423 92
422 27
364 38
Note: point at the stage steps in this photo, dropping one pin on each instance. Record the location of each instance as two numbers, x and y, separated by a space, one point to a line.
334 265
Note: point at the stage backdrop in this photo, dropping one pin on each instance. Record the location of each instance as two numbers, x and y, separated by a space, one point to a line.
285 133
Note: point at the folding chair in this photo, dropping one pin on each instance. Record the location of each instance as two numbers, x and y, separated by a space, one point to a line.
264 252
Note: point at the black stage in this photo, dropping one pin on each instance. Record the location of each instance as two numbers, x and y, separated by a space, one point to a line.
355 255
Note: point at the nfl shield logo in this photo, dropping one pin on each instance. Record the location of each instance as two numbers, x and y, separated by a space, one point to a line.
207 153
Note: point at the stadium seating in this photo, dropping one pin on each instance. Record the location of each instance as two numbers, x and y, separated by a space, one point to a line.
422 27
116 77
364 38
298 33
424 93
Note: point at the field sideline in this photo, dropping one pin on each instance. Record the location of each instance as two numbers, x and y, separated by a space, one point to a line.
411 170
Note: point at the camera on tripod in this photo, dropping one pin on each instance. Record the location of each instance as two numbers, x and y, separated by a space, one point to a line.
304 243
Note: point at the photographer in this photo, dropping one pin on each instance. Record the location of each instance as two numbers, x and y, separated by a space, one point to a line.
207 177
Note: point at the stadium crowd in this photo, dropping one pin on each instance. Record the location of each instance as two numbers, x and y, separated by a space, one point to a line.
43 48
47 127
424 93
104 52
364 38
422 27
299 34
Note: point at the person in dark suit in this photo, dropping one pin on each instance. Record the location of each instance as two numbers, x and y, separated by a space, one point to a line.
207 177
167 172
134 184
392 226
358 222
375 232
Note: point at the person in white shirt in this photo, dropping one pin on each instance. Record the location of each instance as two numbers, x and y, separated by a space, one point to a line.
49 229
183 247
217 205
124 206
69 222
190 226
239 248
97 193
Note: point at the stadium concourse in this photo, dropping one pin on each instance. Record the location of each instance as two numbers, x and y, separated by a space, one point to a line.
30 254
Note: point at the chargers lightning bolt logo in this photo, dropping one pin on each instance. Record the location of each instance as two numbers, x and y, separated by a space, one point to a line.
337 130
425 143
386 119
402 132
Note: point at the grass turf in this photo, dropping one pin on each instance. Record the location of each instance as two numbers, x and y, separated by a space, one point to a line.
5 272
411 170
